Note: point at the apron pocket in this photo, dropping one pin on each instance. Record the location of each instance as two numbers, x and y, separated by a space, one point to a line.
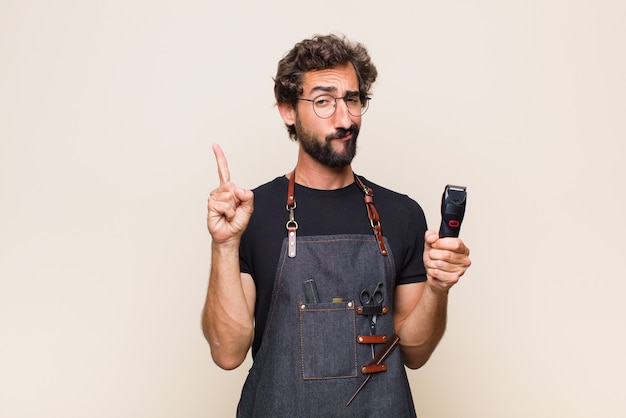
328 340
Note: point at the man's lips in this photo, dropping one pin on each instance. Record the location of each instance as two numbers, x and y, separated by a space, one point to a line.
344 135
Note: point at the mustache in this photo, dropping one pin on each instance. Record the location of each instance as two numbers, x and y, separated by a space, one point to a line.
341 132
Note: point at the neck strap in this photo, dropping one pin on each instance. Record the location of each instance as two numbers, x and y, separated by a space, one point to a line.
372 214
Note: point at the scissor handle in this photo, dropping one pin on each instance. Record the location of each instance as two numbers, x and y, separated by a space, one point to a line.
375 298
365 297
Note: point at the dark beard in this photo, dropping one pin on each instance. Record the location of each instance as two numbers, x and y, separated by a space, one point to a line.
323 152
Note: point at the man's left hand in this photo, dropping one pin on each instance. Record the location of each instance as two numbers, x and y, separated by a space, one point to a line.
445 259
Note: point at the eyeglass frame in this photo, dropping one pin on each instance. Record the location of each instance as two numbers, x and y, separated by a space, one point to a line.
365 104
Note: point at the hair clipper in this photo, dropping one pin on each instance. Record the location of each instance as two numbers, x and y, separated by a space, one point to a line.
452 210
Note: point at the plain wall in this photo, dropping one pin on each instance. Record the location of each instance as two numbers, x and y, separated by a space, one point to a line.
107 114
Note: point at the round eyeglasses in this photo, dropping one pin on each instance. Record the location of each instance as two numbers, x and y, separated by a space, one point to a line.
325 105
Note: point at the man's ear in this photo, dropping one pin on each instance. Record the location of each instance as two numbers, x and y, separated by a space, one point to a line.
288 113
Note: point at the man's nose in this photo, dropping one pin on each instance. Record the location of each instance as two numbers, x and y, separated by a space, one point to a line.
343 118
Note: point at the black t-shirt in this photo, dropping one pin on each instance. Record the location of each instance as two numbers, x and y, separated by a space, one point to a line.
327 212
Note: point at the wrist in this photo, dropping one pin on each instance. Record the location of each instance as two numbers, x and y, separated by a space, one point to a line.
436 288
225 247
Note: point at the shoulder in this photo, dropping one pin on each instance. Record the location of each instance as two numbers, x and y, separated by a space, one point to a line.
271 194
390 197
397 210
271 187
404 224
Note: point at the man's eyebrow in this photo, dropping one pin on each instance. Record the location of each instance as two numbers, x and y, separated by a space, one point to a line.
330 89
326 89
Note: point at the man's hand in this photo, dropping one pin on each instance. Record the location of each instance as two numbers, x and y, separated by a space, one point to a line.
229 208
446 260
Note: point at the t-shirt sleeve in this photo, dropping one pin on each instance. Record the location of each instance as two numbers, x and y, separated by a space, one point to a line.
412 268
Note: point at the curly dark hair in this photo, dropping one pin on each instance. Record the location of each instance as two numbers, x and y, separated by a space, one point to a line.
319 53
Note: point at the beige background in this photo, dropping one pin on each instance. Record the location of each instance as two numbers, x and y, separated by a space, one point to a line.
107 113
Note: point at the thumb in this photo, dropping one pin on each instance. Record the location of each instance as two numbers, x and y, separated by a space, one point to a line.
430 237
246 197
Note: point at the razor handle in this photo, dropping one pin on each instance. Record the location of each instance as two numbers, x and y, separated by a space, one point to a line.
452 210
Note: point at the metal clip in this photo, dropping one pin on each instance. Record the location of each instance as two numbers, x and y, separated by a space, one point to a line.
291 226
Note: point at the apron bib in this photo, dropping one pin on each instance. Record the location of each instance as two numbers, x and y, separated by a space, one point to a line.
308 364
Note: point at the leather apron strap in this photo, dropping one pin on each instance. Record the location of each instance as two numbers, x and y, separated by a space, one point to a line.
372 214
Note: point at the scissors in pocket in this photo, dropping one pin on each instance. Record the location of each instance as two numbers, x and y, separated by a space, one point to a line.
372 306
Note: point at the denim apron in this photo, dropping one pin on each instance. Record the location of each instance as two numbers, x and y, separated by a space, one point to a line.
308 364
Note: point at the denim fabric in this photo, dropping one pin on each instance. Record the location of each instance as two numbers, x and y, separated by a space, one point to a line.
308 363
317 339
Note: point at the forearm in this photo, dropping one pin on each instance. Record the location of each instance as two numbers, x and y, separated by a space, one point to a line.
421 331
227 320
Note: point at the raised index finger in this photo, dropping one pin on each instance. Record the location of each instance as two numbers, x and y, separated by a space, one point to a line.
222 164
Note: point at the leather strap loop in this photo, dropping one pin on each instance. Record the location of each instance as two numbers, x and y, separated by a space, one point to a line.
372 310
374 368
372 339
